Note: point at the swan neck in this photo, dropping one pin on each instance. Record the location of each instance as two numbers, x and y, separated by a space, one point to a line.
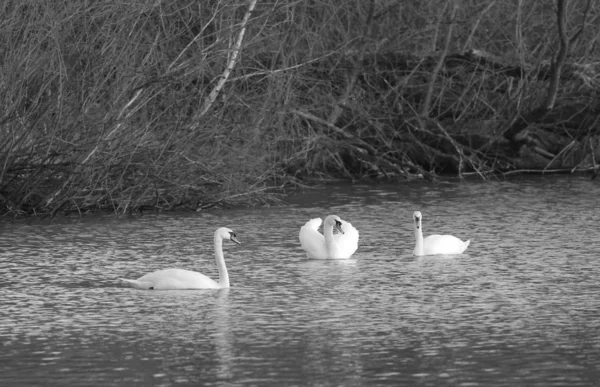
328 233
220 259
418 241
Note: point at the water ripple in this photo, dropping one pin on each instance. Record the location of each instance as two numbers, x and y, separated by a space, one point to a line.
521 307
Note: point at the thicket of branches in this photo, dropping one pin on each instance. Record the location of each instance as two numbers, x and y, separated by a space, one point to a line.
162 104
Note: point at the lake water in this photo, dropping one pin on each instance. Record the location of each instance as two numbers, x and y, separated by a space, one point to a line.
520 307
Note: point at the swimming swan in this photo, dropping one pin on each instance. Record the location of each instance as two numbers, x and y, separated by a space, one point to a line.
436 244
330 246
171 279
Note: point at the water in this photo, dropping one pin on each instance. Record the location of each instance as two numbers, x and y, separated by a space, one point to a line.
521 307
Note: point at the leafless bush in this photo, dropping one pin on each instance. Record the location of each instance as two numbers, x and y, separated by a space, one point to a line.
155 104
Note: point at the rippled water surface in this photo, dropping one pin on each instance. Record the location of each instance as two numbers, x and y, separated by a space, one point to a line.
521 307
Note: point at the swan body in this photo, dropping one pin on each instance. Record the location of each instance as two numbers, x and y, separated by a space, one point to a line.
436 244
172 279
329 245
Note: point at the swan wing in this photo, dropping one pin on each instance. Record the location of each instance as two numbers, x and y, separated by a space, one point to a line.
348 241
172 279
444 244
312 241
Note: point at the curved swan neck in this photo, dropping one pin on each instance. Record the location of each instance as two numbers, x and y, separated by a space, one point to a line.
330 243
328 233
223 275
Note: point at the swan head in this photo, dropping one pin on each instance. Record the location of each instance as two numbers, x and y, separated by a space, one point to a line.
227 233
417 219
335 222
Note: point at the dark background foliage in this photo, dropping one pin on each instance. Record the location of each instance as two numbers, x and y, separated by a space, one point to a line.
164 104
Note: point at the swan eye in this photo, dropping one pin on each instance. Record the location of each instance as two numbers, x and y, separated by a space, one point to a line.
233 238
338 223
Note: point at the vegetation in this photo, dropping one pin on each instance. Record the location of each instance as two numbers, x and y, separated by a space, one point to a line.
184 103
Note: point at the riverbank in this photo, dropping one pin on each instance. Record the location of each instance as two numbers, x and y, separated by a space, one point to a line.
152 106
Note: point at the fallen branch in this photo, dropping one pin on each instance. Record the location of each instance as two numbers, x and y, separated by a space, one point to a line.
564 150
339 131
459 150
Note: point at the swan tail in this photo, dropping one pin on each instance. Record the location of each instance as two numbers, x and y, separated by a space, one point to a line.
467 243
138 284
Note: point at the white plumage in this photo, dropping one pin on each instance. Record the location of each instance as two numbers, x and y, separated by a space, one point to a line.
435 244
329 245
171 279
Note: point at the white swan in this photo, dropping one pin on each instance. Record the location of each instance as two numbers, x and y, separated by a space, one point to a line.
171 279
436 244
330 246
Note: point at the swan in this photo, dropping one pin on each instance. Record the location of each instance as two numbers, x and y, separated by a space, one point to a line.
436 244
171 279
330 246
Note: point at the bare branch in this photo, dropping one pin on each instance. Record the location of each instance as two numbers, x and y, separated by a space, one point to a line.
438 67
230 65
559 59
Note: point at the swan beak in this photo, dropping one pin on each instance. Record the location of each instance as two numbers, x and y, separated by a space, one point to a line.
234 239
338 226
418 222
